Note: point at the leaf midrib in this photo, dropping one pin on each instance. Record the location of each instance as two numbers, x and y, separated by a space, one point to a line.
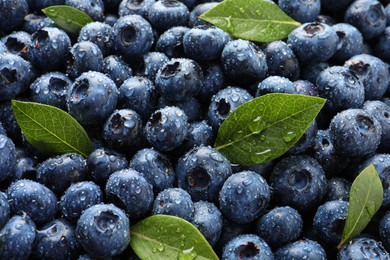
293 22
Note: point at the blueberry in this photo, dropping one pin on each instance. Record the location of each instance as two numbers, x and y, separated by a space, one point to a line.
12 14
381 112
263 169
368 16
279 226
364 133
198 10
92 98
174 201
166 128
141 8
298 182
94 8
9 123
116 69
199 133
171 42
179 79
313 42
243 61
155 167
275 84
17 42
224 103
7 157
51 89
37 6
362 248
78 197
103 230
152 62
97 33
326 19
165 14
214 80
130 191
305 87
34 22
384 230
247 246
190 106
338 189
202 172
311 71
103 162
17 237
208 220
3 48
244 197
25 168
350 42
131 36
47 43
5 209
39 202
110 19
301 249
302 11
56 240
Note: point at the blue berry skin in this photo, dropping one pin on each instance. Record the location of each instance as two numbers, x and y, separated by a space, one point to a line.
373 73
116 69
298 182
350 42
202 172
12 14
123 131
130 191
167 128
139 94
78 197
56 240
190 106
384 230
94 8
141 8
15 76
305 87
244 197
170 42
97 33
263 169
152 62
243 61
7 156
84 56
364 133
205 43
381 48
131 36
311 71
313 42
329 221
247 246
38 201
17 237
175 202
103 230
381 111
165 14
341 88
301 249
5 209
198 10
17 42
362 248
34 22
368 16
275 84
59 172
9 123
301 11
329 20
179 79
387 9
47 43
281 60
51 88
37 6
199 133
208 220
338 189
110 19
224 103
155 167
92 98
279 226
214 80
3 48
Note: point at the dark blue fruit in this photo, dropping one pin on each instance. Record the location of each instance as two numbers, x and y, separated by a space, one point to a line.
363 248
247 246
301 249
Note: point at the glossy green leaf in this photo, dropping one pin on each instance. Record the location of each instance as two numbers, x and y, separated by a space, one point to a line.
266 127
168 237
254 20
68 18
365 199
51 130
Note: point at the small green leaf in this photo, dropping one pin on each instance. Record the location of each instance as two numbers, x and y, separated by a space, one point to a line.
68 18
365 198
51 130
266 127
168 237
254 20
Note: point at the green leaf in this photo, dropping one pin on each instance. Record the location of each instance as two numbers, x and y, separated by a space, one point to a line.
168 237
254 20
365 198
266 127
68 18
51 130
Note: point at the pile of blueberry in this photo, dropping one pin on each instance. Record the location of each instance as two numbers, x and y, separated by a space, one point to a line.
151 83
